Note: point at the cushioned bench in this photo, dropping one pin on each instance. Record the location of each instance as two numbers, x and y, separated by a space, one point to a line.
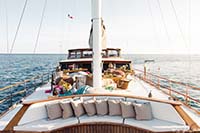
156 125
38 121
46 125
105 118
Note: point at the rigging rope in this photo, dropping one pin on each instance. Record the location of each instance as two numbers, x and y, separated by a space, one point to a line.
178 22
18 26
41 21
1 36
165 25
189 23
187 44
6 13
189 37
153 21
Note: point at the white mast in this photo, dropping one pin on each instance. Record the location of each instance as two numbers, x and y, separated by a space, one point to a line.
97 48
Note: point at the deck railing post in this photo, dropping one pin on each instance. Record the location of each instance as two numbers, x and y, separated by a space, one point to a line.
170 89
158 77
48 76
42 79
25 90
34 83
145 72
186 94
11 96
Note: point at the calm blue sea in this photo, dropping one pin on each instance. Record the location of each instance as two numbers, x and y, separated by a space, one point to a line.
184 68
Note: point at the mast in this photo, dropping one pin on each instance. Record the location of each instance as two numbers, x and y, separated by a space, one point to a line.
97 48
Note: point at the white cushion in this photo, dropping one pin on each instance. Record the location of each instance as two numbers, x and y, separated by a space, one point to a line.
105 118
87 98
100 97
116 98
35 112
156 125
162 111
46 125
131 100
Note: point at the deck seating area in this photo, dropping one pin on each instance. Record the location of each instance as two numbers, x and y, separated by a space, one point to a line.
151 118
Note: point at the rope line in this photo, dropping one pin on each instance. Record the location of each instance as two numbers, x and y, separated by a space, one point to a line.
153 22
163 19
189 41
18 26
1 25
187 44
6 14
178 22
39 30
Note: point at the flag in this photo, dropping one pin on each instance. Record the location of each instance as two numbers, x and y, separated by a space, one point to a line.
70 17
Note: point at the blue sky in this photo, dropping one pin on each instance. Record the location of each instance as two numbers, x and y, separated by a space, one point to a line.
129 25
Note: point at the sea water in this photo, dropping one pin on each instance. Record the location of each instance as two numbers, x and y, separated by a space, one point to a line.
184 68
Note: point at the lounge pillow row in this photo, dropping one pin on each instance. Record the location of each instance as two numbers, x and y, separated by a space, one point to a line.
91 107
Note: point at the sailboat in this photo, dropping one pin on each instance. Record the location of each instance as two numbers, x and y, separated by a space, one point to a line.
95 90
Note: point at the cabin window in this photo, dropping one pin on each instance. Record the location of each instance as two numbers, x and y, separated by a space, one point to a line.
112 53
87 54
72 55
78 54
104 54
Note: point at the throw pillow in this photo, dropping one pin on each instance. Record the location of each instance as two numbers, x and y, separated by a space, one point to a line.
90 107
54 111
128 110
114 107
102 107
143 111
67 110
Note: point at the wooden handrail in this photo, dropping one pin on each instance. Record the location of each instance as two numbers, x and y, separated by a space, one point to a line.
14 121
109 95
151 82
193 125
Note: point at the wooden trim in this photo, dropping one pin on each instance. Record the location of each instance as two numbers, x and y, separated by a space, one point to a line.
193 125
110 95
16 118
